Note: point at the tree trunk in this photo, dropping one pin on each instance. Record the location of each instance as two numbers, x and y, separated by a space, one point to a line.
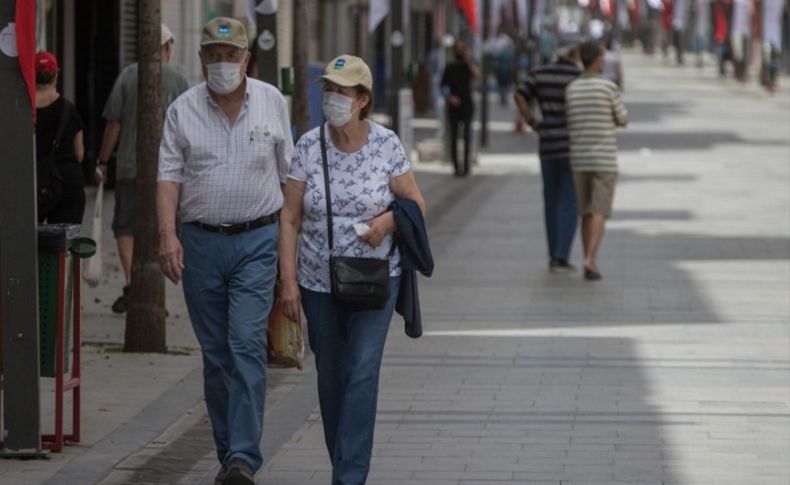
145 318
300 117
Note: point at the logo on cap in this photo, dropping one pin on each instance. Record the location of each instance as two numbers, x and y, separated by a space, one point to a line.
340 64
223 30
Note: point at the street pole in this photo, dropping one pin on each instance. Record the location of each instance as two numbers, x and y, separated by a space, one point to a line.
397 40
486 71
266 45
18 259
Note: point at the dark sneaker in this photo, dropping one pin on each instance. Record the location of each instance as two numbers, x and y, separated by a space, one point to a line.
559 266
221 474
239 473
121 303
592 274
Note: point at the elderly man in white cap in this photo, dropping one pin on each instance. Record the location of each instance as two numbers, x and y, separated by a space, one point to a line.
120 128
225 152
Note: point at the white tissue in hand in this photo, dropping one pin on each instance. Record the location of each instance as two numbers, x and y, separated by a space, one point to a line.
361 228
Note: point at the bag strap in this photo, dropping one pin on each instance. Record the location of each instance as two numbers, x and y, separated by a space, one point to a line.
330 229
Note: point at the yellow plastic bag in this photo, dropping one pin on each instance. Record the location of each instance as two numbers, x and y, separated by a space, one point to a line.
286 346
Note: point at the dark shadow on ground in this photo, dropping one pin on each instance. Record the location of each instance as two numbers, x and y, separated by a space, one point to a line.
652 215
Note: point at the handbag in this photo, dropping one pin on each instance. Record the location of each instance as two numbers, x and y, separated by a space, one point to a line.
49 181
356 283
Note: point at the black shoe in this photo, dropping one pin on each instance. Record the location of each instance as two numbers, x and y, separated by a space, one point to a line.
221 474
592 274
239 473
561 266
121 303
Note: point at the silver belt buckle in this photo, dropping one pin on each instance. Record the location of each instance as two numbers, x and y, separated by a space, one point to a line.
224 228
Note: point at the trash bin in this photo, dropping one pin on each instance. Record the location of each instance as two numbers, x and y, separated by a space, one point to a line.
58 244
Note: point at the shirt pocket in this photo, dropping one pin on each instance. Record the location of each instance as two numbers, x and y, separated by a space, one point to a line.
262 148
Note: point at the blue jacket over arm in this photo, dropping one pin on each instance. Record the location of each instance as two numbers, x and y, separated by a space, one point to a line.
415 251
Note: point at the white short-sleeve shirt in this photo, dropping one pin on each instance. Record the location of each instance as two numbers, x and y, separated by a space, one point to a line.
228 173
360 189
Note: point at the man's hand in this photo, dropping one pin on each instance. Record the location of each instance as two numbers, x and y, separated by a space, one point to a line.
171 257
290 299
534 124
101 173
380 227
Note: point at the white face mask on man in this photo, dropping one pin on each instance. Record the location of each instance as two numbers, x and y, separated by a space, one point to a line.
223 77
337 108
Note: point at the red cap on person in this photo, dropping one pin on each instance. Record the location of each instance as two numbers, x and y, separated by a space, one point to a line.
46 62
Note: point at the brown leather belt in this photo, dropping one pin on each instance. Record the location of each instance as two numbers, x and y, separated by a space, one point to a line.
231 229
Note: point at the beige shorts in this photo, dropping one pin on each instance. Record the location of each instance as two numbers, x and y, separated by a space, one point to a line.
594 192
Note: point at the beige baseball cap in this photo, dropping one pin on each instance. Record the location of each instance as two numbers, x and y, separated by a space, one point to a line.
167 36
349 71
224 30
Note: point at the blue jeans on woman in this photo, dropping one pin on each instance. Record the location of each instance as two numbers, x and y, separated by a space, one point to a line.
229 290
348 348
559 198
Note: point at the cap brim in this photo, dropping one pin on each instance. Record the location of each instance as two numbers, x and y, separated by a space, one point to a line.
341 81
222 42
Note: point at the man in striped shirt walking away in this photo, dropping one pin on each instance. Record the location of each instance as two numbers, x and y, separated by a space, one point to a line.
547 85
594 110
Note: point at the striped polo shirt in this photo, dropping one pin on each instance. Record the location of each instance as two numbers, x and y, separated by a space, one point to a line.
594 109
547 83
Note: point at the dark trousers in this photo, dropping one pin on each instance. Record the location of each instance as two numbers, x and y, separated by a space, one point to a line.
348 348
456 118
559 199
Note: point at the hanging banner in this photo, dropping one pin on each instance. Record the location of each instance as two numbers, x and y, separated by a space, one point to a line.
267 7
25 20
377 11
469 9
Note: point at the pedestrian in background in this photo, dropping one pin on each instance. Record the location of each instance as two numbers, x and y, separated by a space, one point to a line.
722 13
225 152
120 129
547 84
612 63
59 148
367 171
594 110
772 42
457 87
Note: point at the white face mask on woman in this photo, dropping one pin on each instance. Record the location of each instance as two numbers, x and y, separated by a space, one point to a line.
223 77
337 108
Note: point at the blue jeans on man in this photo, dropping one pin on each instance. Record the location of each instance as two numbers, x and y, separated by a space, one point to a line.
348 348
559 198
229 289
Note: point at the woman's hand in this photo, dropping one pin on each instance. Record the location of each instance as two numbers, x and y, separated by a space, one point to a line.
291 299
380 228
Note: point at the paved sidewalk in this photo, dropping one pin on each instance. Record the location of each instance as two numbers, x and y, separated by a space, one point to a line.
673 369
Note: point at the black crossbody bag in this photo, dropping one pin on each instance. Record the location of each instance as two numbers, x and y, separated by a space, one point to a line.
49 182
357 283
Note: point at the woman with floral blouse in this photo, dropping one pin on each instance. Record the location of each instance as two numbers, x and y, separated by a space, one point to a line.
368 170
